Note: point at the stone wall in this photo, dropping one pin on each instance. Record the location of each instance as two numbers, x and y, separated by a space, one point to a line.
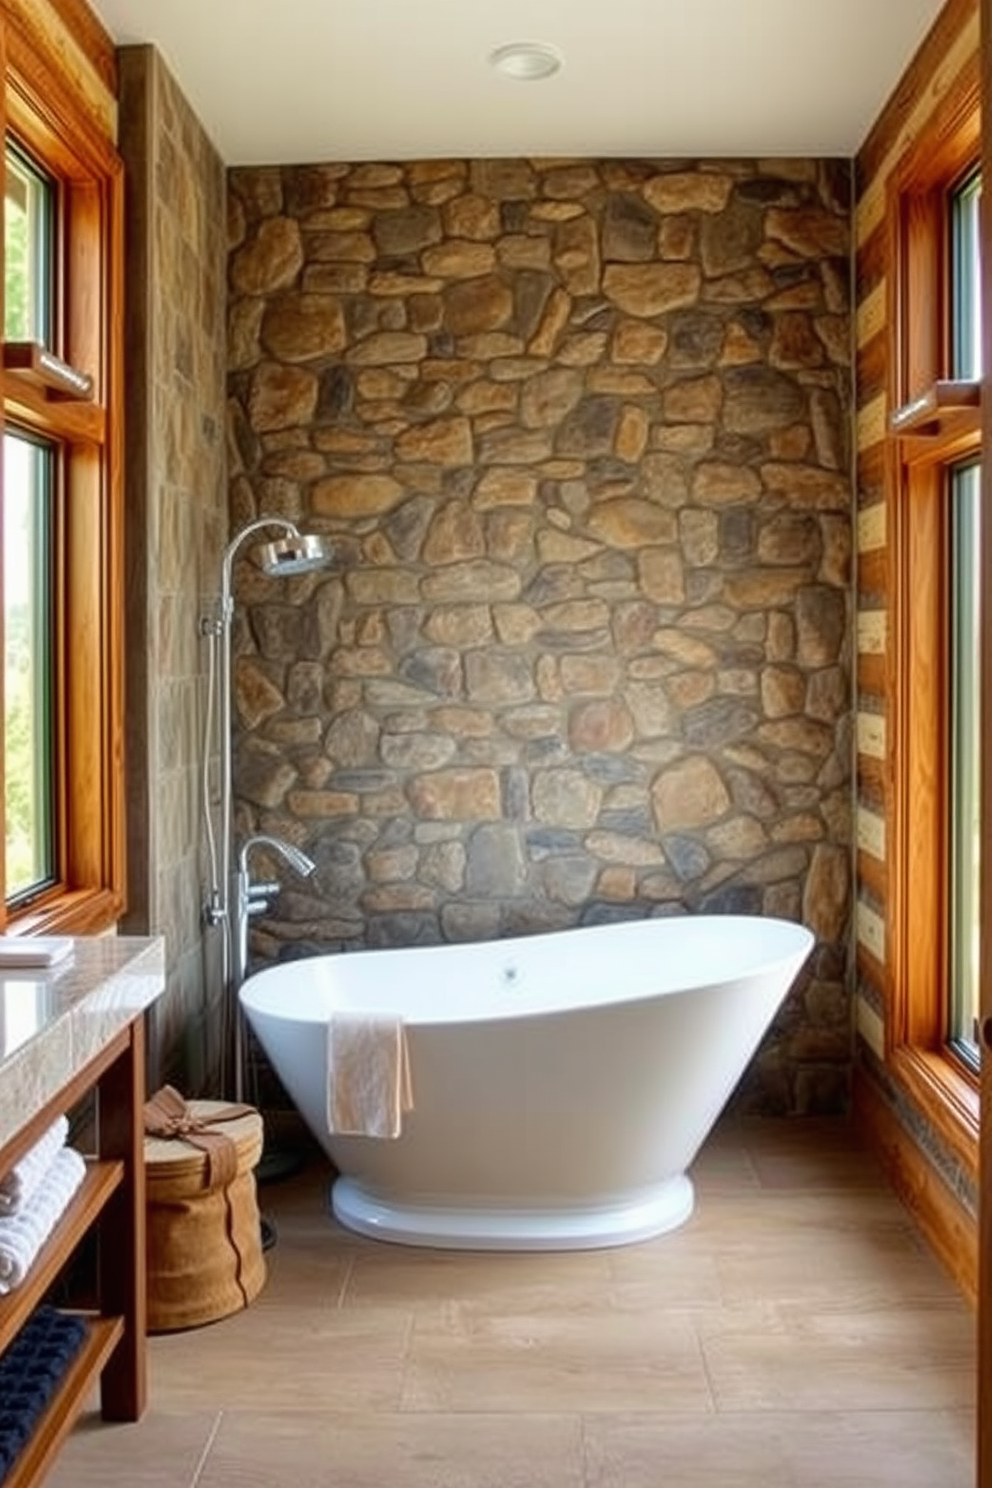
579 433
176 523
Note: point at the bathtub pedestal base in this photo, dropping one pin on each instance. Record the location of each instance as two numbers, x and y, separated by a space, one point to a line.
472 1228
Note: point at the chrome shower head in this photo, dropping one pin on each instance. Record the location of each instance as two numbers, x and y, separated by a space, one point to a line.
294 554
298 860
293 855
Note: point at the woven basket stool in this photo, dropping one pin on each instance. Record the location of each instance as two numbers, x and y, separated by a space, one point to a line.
204 1245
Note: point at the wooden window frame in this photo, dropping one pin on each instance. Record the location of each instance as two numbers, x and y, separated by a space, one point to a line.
53 122
935 423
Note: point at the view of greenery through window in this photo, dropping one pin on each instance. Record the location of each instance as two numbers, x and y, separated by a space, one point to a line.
27 250
27 466
27 668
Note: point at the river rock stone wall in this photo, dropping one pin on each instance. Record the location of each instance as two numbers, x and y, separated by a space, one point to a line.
579 434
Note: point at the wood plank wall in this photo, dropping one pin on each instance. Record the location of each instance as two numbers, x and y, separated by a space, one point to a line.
946 63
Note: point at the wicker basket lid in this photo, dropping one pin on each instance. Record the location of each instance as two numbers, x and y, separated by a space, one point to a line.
173 1160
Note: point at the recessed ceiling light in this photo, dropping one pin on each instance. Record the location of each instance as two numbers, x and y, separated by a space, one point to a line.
527 61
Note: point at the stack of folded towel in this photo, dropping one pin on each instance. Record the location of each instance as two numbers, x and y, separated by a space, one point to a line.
31 1371
33 1197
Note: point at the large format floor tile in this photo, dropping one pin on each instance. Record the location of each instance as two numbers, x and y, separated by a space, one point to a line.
166 1449
311 1450
305 1269
272 1357
795 1333
818 1449
478 1281
773 1357
590 1362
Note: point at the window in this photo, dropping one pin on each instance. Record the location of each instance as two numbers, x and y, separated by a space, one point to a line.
29 586
60 522
30 797
934 499
965 288
29 251
963 628
964 751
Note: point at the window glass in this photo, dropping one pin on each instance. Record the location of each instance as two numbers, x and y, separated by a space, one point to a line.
964 675
964 756
28 251
28 468
966 301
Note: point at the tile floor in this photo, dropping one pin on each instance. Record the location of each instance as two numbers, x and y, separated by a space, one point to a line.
795 1333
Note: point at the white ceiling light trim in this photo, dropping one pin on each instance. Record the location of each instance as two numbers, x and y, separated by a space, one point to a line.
527 61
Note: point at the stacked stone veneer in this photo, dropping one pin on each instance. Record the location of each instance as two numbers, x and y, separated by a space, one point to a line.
578 431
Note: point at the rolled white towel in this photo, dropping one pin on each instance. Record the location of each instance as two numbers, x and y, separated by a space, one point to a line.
20 1183
22 1235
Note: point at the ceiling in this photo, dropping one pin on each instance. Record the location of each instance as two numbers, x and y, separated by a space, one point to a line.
306 80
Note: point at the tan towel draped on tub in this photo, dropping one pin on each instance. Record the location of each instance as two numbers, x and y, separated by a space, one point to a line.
368 1074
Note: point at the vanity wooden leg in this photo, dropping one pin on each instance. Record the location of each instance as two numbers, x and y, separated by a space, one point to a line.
123 1382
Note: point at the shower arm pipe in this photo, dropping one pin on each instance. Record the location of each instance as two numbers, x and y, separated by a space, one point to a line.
224 619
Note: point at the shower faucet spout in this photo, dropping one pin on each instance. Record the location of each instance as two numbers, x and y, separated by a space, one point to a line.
248 899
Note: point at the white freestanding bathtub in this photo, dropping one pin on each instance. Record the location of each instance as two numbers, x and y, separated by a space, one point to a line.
562 1083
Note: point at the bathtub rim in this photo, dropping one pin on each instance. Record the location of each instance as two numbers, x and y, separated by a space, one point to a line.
252 993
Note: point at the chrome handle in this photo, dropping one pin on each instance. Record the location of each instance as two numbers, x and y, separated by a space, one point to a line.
262 890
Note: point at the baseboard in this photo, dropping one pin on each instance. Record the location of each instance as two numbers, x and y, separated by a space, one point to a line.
946 1225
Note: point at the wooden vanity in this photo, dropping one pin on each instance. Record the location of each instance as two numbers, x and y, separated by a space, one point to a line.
64 1033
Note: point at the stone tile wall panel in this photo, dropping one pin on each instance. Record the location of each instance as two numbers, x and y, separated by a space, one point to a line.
176 522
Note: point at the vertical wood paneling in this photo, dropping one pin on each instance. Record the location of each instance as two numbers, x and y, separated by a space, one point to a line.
938 84
984 1478
871 528
943 70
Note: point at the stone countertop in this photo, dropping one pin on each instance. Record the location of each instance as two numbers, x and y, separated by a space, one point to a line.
52 1022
